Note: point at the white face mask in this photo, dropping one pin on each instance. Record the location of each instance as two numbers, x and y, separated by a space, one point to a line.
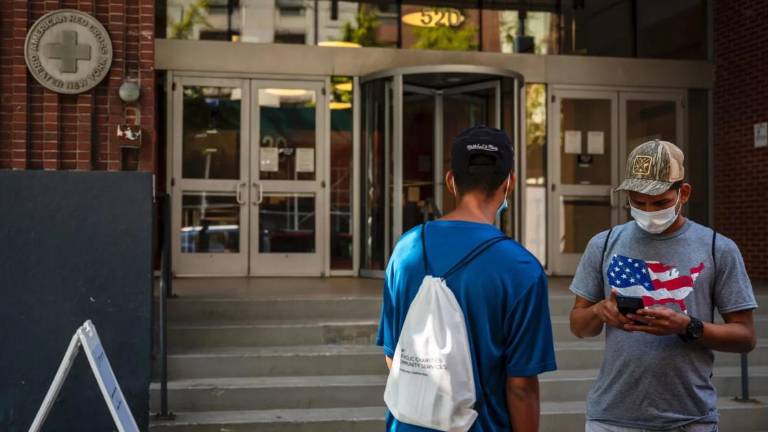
656 222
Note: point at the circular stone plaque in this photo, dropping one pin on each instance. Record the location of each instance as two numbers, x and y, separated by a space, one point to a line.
68 51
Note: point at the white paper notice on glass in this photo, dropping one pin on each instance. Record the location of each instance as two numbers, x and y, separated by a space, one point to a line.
413 194
596 142
269 159
573 142
305 160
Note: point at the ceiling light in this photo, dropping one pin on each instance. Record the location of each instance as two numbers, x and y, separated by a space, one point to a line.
339 44
340 105
286 92
347 86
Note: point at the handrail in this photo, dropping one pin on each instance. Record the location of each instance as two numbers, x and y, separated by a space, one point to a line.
166 291
744 381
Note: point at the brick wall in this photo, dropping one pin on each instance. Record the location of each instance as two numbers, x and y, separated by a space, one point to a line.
740 101
40 129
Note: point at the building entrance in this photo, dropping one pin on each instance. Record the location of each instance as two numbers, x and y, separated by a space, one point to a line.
591 133
249 177
409 119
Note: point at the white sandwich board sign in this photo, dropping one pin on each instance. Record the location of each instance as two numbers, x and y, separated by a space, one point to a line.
87 337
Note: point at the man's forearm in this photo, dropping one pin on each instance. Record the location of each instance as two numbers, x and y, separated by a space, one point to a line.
728 337
585 322
523 404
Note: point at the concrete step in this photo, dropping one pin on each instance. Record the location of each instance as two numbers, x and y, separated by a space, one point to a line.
555 417
734 416
573 385
363 360
246 309
276 333
358 419
277 361
561 304
309 332
200 310
231 394
588 354
561 327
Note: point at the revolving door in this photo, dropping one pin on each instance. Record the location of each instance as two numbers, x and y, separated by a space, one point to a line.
409 119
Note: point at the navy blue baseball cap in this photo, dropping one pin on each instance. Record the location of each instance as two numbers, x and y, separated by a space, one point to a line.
482 150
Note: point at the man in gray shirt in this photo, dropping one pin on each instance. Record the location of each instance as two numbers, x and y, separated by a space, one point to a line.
656 373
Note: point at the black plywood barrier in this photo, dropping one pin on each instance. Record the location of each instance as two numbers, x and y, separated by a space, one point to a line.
73 246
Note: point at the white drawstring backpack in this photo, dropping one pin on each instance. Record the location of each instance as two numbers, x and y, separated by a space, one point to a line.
431 382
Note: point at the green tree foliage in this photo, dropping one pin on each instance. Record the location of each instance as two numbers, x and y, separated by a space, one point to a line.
339 95
195 15
536 114
363 31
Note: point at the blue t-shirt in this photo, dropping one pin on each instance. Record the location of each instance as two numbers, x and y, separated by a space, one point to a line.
503 294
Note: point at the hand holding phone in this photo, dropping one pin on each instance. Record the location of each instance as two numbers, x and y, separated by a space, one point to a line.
629 305
607 311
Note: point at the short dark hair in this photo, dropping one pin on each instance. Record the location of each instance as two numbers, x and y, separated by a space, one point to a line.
480 177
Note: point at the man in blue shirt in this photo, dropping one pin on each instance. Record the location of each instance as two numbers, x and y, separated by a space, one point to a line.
502 293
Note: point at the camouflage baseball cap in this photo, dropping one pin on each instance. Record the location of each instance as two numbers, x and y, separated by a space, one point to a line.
653 167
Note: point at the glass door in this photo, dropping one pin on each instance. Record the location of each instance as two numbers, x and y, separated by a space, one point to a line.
420 120
583 156
645 116
376 172
431 120
210 176
463 107
409 119
287 167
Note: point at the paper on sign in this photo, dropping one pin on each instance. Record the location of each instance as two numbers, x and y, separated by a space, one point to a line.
413 194
270 159
596 142
305 160
573 142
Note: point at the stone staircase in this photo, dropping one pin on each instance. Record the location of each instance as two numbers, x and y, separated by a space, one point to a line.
306 362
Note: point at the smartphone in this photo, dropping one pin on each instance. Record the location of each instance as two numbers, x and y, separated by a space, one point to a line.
629 305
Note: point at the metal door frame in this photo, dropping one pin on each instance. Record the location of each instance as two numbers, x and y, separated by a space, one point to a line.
240 264
291 264
207 264
679 97
397 86
562 263
619 95
437 155
495 85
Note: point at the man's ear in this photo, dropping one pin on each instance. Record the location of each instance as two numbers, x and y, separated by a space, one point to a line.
512 182
449 182
685 192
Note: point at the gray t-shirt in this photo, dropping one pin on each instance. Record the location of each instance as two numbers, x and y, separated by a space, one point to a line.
661 382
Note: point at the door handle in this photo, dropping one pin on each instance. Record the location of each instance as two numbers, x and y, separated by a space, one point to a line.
239 193
259 195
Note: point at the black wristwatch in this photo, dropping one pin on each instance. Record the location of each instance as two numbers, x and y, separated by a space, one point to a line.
694 331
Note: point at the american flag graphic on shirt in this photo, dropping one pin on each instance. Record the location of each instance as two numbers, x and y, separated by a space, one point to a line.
655 282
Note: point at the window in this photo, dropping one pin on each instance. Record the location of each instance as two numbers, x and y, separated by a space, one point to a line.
620 28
